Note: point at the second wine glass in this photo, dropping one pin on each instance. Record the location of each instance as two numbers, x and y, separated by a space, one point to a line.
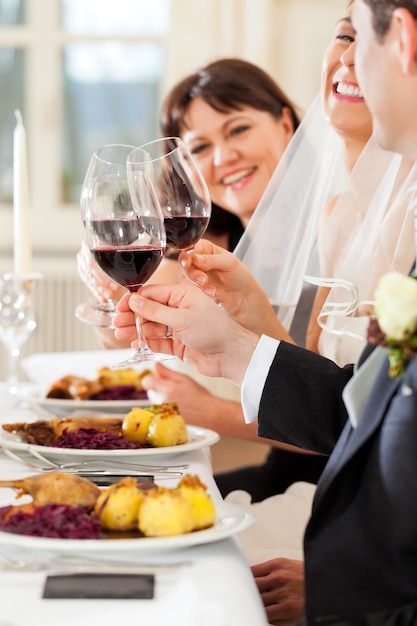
126 241
181 189
182 193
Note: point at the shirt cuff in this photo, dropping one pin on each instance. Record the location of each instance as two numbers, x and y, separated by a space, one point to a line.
255 377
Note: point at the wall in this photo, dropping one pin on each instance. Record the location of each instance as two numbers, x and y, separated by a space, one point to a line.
286 37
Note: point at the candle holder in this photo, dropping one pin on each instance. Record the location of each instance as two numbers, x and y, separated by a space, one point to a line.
17 319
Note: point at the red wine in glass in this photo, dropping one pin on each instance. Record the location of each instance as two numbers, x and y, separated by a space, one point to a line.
182 231
128 266
181 189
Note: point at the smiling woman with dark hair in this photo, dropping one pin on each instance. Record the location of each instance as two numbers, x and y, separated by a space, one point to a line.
226 86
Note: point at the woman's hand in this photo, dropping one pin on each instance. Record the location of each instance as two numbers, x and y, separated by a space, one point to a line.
99 284
218 273
201 332
227 280
281 585
173 386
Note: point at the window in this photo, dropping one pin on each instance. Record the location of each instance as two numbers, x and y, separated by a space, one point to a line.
12 72
110 86
93 69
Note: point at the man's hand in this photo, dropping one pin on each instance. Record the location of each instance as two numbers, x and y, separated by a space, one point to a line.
200 332
281 585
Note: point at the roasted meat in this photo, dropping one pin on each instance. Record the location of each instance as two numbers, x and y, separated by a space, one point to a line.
75 388
58 488
44 432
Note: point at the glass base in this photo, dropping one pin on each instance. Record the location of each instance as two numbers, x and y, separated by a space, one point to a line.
13 386
100 315
225 309
143 356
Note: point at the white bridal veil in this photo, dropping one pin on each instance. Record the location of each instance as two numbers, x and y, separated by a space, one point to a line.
368 231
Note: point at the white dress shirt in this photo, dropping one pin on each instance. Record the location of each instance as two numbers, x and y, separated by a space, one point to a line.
255 377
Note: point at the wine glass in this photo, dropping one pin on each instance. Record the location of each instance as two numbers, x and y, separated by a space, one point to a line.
127 241
17 320
107 159
181 189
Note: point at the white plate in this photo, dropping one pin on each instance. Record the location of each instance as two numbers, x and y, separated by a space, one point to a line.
44 368
35 395
197 438
231 519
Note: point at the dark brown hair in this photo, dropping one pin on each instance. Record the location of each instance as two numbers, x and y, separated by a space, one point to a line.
382 13
225 85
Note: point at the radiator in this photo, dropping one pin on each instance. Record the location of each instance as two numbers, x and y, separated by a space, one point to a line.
58 330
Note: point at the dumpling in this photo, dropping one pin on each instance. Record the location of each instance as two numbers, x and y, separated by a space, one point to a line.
195 492
165 512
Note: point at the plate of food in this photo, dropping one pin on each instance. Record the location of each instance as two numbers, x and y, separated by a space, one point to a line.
110 391
55 520
152 431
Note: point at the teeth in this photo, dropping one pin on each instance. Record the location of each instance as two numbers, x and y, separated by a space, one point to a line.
348 90
234 178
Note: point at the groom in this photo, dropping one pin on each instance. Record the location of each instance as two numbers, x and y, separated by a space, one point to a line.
361 541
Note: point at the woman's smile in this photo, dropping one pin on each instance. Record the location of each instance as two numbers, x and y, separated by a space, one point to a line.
346 90
239 178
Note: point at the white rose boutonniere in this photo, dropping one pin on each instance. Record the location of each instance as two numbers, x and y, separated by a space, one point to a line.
395 322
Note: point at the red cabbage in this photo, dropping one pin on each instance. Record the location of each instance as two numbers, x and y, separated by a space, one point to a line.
120 392
52 520
94 439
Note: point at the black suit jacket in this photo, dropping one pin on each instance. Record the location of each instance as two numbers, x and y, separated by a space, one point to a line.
361 542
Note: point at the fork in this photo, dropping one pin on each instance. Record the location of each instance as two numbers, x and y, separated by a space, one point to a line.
12 455
77 564
81 468
108 463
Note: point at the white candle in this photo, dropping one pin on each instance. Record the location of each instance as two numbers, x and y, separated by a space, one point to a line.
22 251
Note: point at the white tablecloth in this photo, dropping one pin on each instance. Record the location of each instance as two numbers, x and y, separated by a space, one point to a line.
216 590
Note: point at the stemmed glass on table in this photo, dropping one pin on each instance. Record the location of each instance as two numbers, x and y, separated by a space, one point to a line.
17 320
106 160
126 240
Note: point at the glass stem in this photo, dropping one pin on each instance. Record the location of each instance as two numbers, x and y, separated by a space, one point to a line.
142 345
13 378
